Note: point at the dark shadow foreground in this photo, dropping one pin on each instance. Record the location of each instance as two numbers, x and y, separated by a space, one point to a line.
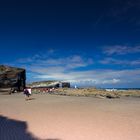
15 130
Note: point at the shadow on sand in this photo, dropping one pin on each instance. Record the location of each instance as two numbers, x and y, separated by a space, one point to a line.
30 99
15 130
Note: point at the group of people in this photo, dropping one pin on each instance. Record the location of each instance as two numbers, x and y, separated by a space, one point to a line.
28 91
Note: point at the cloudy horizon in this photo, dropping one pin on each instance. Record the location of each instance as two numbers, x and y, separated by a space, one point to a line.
83 70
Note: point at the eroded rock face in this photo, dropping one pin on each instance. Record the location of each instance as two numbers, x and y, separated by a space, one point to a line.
12 77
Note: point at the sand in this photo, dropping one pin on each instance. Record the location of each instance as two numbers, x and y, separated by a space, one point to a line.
54 117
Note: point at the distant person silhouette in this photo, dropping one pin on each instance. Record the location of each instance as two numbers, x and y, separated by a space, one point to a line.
27 93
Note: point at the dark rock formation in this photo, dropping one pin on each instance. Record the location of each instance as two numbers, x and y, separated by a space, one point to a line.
12 77
65 85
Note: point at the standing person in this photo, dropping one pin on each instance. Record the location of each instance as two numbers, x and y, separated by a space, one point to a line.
27 92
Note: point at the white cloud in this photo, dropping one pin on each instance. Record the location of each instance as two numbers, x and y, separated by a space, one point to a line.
135 62
121 50
66 63
70 62
37 57
119 62
111 81
111 61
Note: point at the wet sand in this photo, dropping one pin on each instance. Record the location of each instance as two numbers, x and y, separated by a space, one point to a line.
54 117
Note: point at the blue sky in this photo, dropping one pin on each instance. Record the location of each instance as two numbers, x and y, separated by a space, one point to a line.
89 43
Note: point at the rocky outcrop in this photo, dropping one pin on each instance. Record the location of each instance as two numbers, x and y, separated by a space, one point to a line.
12 77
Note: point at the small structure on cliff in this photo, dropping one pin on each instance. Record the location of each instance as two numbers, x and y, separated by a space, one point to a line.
12 77
65 85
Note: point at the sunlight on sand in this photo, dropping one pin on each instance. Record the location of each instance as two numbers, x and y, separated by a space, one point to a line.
75 118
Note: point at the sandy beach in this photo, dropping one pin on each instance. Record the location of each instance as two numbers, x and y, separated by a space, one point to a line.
54 117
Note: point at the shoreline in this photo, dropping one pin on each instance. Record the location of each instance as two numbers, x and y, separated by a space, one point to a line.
91 92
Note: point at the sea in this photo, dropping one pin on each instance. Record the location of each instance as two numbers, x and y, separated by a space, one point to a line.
121 89
109 89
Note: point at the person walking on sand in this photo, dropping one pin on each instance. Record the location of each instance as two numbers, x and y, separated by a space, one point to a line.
27 93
